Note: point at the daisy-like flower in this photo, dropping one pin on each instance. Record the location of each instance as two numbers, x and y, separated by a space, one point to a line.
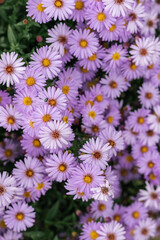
26 100
28 173
154 119
7 189
10 118
11 68
92 113
42 187
98 19
19 216
130 70
149 137
83 43
150 23
114 138
58 9
89 231
5 99
134 213
112 230
142 52
46 61
35 10
78 11
56 135
33 80
118 7
53 97
68 88
60 166
58 37
145 229
10 150
148 95
101 209
95 152
10 235
115 56
117 213
103 192
94 128
113 84
150 197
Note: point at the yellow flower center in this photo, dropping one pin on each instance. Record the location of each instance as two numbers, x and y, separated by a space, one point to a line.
58 3
79 5
148 95
116 56
65 89
140 120
46 118
94 235
150 66
117 217
27 101
113 84
111 143
40 186
150 164
27 194
144 149
95 128
101 16
65 119
2 224
11 120
84 70
46 62
152 176
89 102
110 119
99 98
83 43
159 76
135 214
101 207
9 69
112 28
133 66
87 179
129 158
8 152
31 124
19 216
92 114
40 8
93 57
30 81
62 167
36 143
52 102
29 173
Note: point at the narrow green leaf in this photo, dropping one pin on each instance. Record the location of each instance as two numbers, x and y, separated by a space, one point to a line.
52 211
11 35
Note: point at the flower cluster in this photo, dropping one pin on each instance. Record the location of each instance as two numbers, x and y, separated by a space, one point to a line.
85 79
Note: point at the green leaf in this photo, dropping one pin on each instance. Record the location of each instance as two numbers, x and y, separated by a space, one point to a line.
55 238
34 234
52 211
11 35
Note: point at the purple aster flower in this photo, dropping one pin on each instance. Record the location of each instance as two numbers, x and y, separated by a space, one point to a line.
67 117
32 145
155 76
134 213
130 70
92 113
42 187
68 88
154 119
150 23
78 11
97 18
101 209
83 43
53 97
56 135
112 230
114 138
103 192
139 149
112 117
118 7
71 74
111 176
58 9
58 37
26 100
11 68
10 150
117 213
5 99
10 235
95 152
35 10
149 137
31 79
28 125
145 229
60 166
10 118
28 173
19 217
46 61
94 128
89 231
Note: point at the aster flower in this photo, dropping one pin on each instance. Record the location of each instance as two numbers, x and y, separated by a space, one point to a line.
60 166
33 80
117 213
150 197
150 23
68 88
19 217
10 150
92 113
95 152
58 37
113 117
10 118
78 11
112 178
114 138
130 70
28 125
47 61
103 192
7 189
10 235
89 231
5 99
29 172
58 9
11 68
35 10
55 135
71 74
154 119
118 7
149 137
94 128
112 230
101 209
145 229
53 97
83 43
139 149
42 187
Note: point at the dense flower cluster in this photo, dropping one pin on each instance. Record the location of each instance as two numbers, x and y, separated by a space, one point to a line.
90 67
